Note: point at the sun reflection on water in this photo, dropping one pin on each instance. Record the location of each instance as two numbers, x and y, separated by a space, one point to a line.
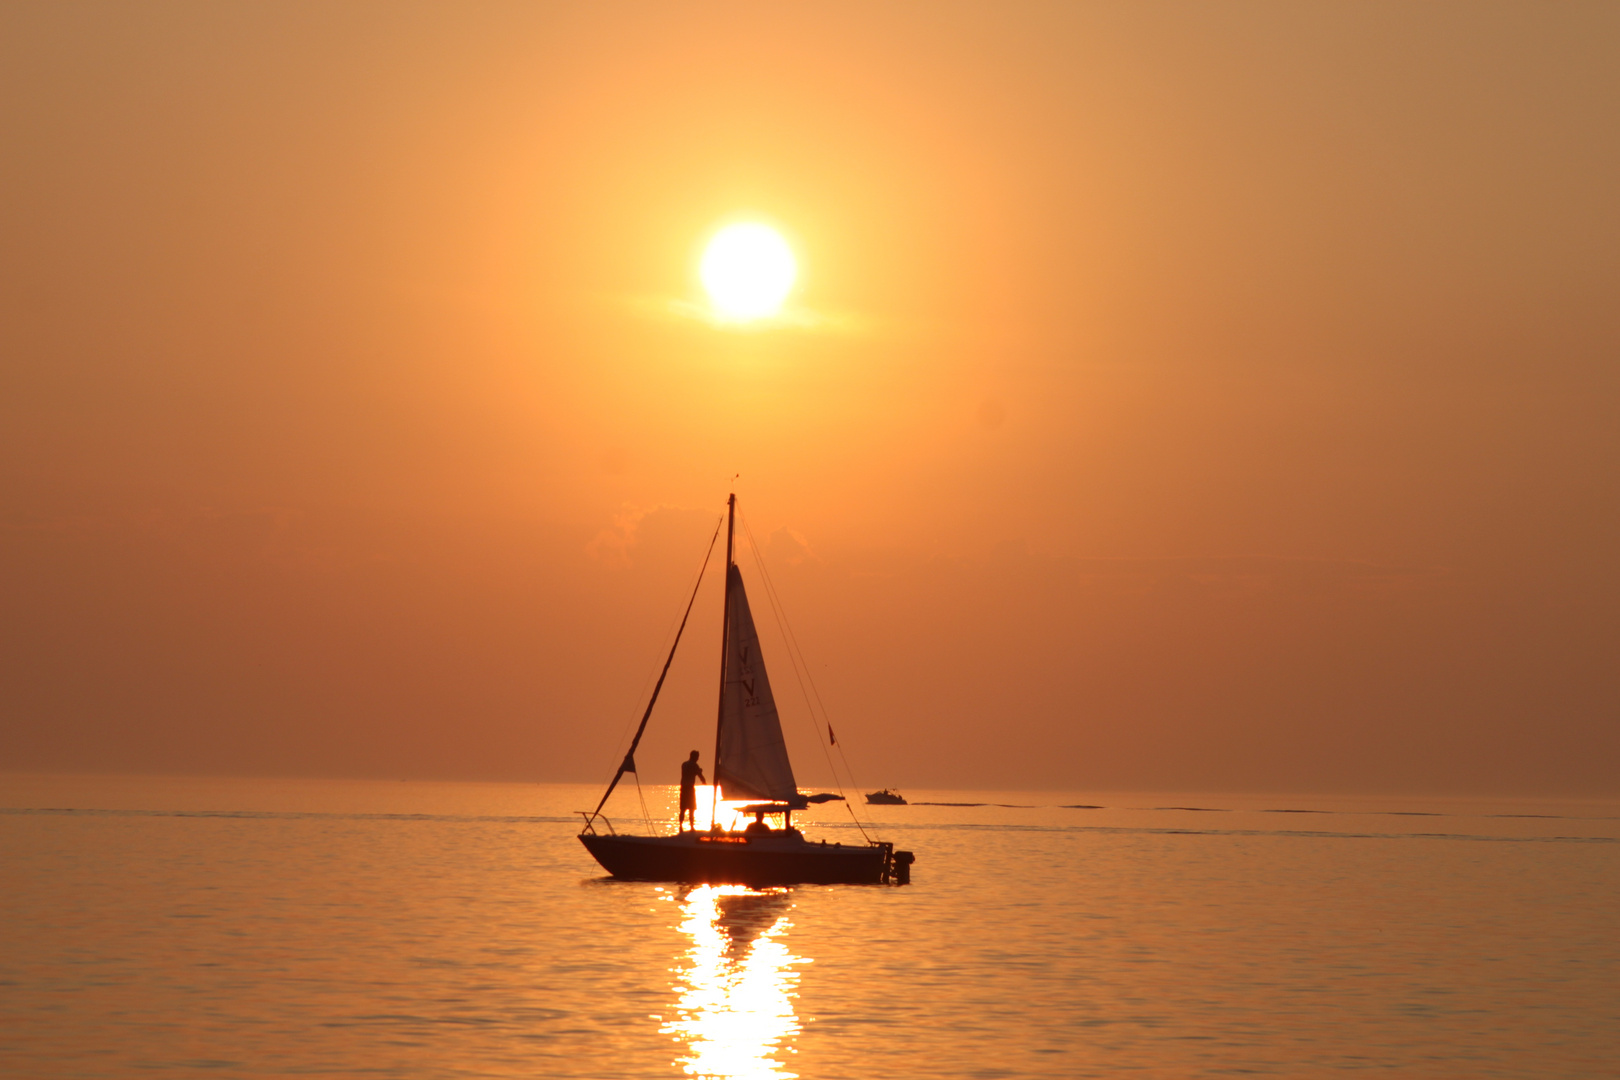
734 1009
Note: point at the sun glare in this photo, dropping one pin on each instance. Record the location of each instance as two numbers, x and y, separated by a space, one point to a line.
747 270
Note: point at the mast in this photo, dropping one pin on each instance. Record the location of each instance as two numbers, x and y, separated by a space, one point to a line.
725 634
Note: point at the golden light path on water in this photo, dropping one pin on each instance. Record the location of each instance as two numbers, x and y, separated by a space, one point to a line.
734 1006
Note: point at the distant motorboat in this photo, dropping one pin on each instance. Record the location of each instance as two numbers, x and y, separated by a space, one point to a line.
886 797
751 761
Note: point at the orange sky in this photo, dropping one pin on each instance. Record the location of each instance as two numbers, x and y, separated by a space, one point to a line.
1186 396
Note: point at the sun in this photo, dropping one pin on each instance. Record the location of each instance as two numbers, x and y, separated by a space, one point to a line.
747 270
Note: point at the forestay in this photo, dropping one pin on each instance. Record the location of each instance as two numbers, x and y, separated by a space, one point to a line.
752 762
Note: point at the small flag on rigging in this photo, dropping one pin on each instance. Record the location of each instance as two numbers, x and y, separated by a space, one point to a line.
831 738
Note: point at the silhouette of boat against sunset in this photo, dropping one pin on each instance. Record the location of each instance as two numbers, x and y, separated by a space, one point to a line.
750 764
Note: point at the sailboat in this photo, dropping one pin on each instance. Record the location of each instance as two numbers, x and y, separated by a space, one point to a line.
750 764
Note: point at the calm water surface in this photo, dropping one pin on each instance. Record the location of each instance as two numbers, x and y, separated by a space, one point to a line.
264 928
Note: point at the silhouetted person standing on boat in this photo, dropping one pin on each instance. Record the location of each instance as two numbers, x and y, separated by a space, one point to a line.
691 776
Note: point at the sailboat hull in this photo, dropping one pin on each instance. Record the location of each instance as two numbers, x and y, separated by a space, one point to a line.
736 859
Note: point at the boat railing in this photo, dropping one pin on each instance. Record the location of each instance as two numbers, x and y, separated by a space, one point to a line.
591 820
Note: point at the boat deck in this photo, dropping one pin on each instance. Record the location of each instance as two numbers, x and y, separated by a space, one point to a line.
740 859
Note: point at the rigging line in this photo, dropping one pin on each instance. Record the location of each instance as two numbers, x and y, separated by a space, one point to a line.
796 658
795 652
847 769
629 762
645 814
631 719
796 655
770 585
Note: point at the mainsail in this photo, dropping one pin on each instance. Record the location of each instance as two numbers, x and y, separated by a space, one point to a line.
752 759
